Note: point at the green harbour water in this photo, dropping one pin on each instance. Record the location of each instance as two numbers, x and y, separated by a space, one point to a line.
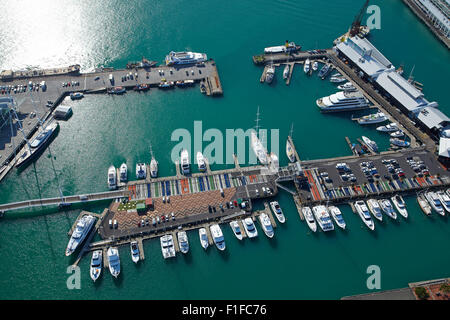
107 130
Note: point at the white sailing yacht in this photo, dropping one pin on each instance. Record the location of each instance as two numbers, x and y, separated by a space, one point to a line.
153 165
257 146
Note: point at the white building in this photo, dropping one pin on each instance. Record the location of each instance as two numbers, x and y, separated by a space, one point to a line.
438 12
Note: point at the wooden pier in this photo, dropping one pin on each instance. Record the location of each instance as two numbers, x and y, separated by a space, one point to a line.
141 248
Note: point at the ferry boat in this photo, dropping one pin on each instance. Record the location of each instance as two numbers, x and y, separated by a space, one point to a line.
96 265
123 171
183 241
276 209
363 212
391 127
286 72
400 205
323 218
266 225
270 73
112 178
374 208
76 95
342 101
348 86
184 57
184 158
141 171
397 134
201 163
399 143
203 238
167 247
370 144
114 261
290 151
287 47
307 213
82 229
234 225
423 204
37 145
259 149
250 228
435 203
117 90
153 168
217 236
324 71
134 249
315 66
387 208
372 118
337 216
307 66
445 200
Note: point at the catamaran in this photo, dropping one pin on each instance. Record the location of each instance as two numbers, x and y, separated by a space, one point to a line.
134 251
201 162
290 151
387 208
445 200
96 264
203 238
435 203
183 241
307 213
364 214
167 247
112 178
250 228
323 218
307 66
424 205
276 209
337 216
114 261
286 72
84 226
234 225
184 162
400 205
217 236
374 208
141 171
123 171
372 118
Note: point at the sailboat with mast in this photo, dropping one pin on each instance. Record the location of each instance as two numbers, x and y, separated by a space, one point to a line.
289 147
257 146
153 165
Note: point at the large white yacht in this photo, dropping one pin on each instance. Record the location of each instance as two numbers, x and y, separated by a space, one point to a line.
374 207
114 261
391 127
141 171
153 168
179 58
123 171
445 200
323 218
266 225
276 209
307 213
183 241
400 205
387 208
424 205
167 247
184 162
201 162
250 228
84 226
234 225
259 149
337 216
373 118
342 101
96 265
203 238
217 236
435 202
363 212
112 178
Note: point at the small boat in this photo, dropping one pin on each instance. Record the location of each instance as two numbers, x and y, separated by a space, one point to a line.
323 218
234 225
141 171
307 66
123 171
270 73
259 149
114 261
435 203
324 71
337 216
315 66
266 225
184 83
290 151
167 247
203 238
387 208
391 127
286 72
76 95
153 168
424 205
364 214
166 84
307 213
184 162
142 87
201 163
337 79
400 205
274 162
217 236
374 208
117 90
399 143
96 264
370 144
250 228
372 118
348 86
134 251
445 200
183 241
82 229
112 178
276 209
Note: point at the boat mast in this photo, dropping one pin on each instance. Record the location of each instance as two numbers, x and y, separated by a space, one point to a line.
292 130
151 151
257 122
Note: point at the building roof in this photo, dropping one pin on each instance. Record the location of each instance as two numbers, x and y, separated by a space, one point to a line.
433 118
444 147
436 12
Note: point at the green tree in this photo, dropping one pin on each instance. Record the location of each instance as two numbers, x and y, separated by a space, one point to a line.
445 288
421 293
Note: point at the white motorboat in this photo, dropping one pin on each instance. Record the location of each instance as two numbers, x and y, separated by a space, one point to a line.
435 202
183 241
167 246
372 118
397 134
375 209
286 72
348 86
400 205
185 57
290 151
270 73
184 162
259 149
342 101
323 218
391 127
363 212
307 66
387 208
123 171
372 145
424 205
307 213
201 162
217 236
250 228
337 79
445 200
153 168
82 229
96 264
234 225
276 209
399 143
337 216
114 261
315 66
274 162
266 225
203 238
112 178
134 251
141 171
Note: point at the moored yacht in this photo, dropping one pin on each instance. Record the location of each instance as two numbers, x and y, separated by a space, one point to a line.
307 213
400 205
184 162
391 127
266 225
153 168
286 72
250 228
234 225
323 218
276 209
373 118
307 66
167 246
374 208
96 265
203 238
324 71
445 200
372 145
114 261
180 58
337 216
435 203
387 208
397 134
141 171
424 205
342 101
399 143
123 171
337 79
112 178
134 251
348 86
363 212
217 236
201 163
315 66
270 73
259 149
290 151
82 229
183 241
